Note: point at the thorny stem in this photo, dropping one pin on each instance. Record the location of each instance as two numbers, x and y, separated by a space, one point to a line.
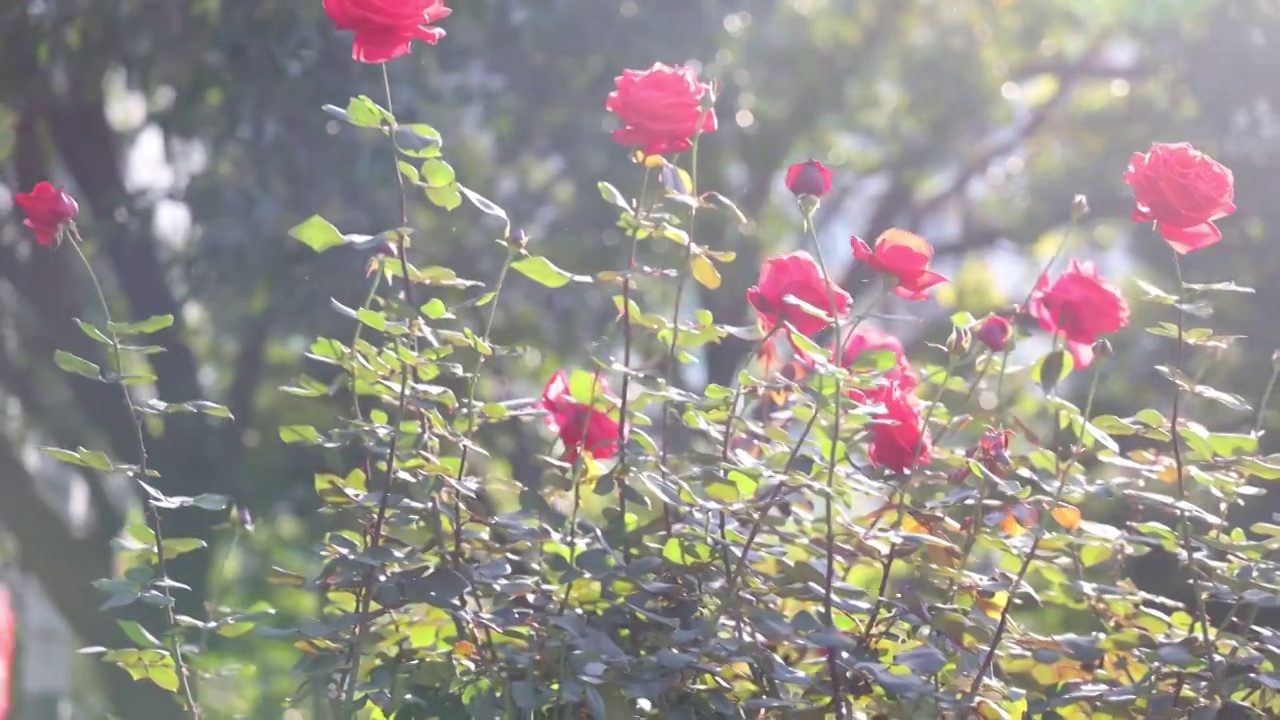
153 512
1063 469
626 374
900 496
828 581
1202 615
375 537
1266 398
471 408
675 321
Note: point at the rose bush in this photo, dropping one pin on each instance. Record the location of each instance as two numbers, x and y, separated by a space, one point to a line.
847 535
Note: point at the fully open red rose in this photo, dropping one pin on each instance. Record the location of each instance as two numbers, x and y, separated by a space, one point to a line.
579 426
660 108
1081 306
994 332
869 339
905 256
386 28
809 178
899 440
1183 191
48 209
796 275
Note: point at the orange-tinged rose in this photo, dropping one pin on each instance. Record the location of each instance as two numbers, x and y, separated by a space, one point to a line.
904 256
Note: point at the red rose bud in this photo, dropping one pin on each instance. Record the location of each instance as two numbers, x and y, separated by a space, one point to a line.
385 29
1182 191
809 178
994 332
904 258
795 275
660 109
48 210
1080 306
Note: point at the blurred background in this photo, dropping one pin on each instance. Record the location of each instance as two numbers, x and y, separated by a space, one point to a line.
192 136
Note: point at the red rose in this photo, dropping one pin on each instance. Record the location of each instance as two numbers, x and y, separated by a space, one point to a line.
899 440
1080 306
905 256
869 338
386 28
1183 191
48 209
795 275
809 178
660 108
579 426
994 332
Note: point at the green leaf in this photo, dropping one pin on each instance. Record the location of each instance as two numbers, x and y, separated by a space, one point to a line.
93 332
372 318
1052 369
418 140
409 172
173 547
611 195
438 174
80 456
543 272
363 112
485 205
447 198
155 323
299 434
435 309
77 365
705 272
317 233
138 634
164 676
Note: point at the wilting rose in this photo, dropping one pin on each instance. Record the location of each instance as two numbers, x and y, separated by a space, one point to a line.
48 209
796 275
994 331
385 29
1183 191
809 178
899 440
904 256
660 109
1081 306
579 426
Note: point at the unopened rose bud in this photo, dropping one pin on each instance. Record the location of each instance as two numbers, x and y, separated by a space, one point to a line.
517 240
1275 359
1079 207
1102 348
809 178
960 341
994 332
